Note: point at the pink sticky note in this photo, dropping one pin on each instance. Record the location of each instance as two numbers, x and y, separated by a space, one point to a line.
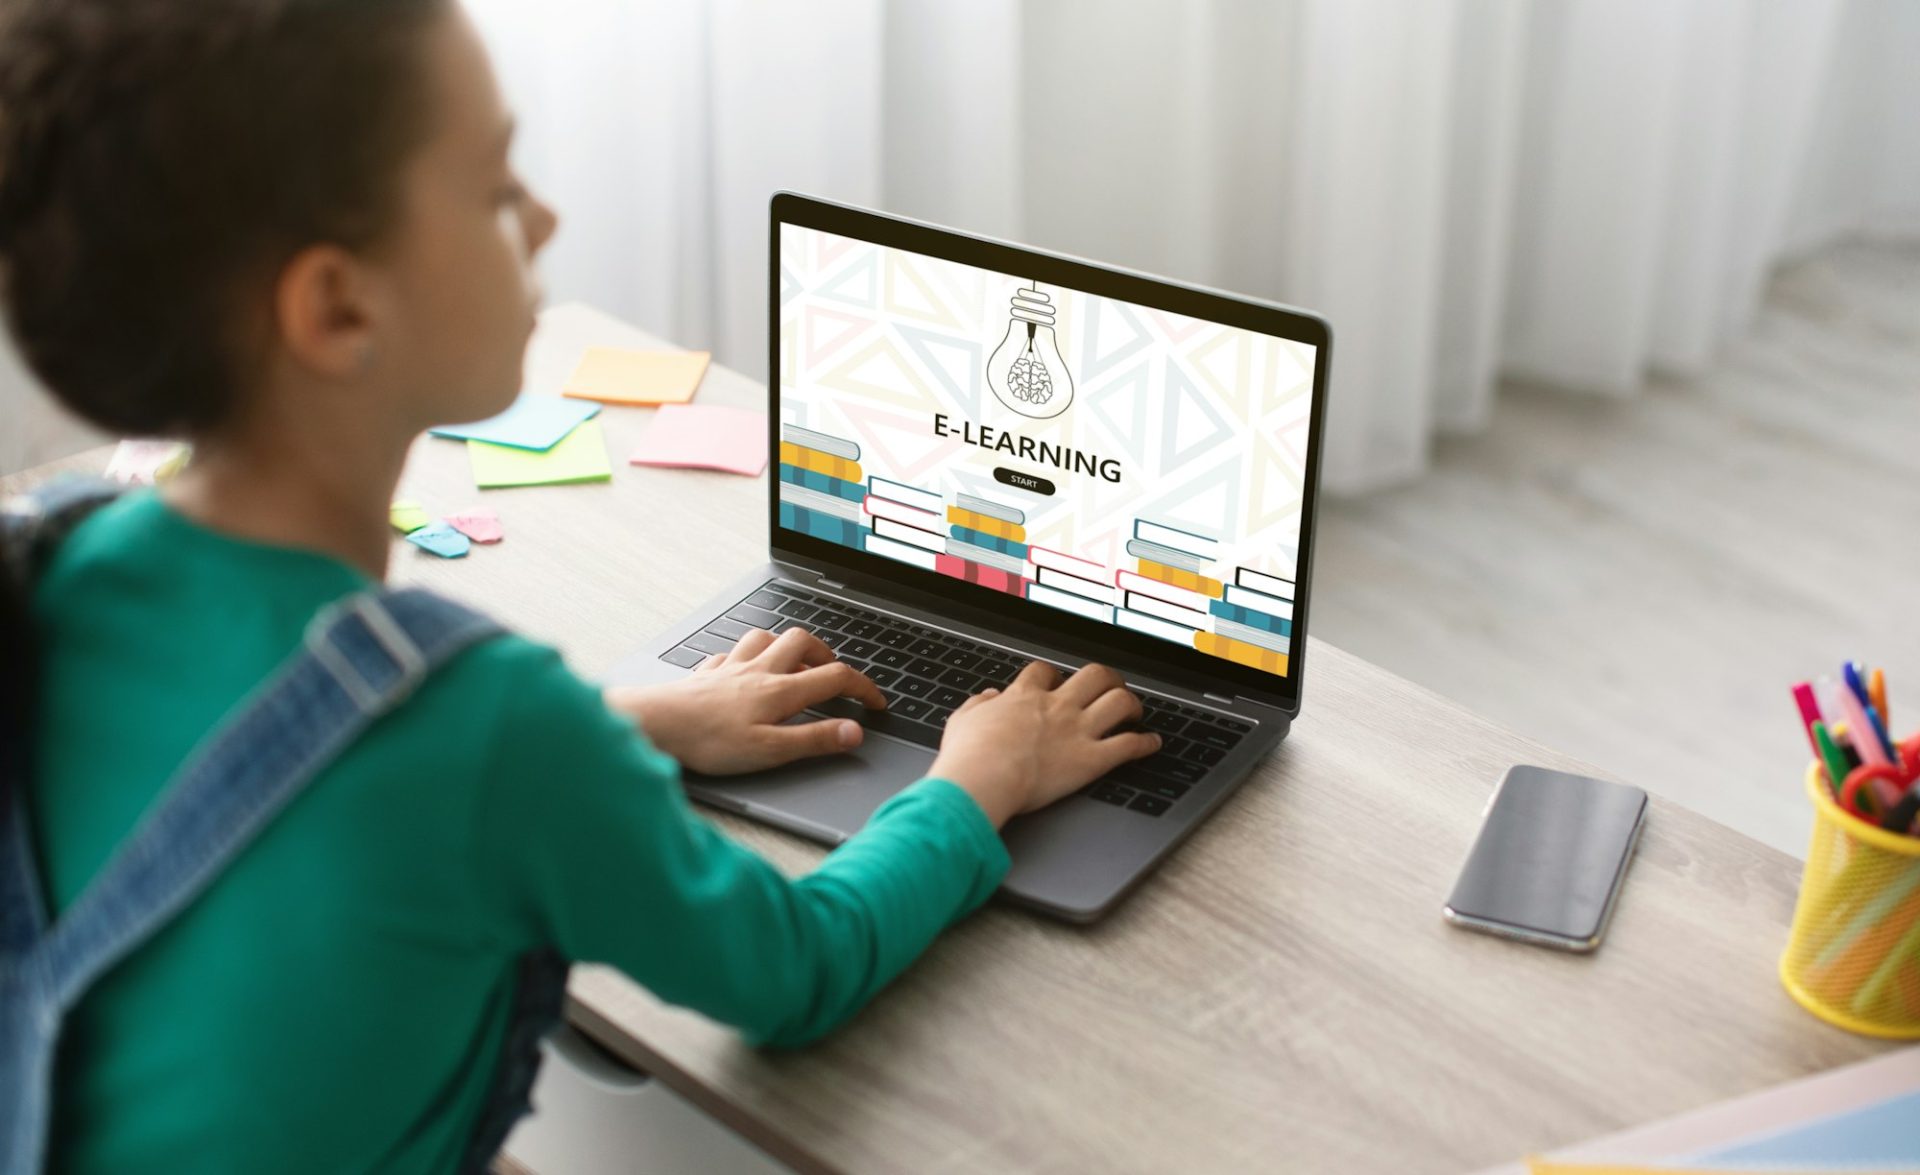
479 524
705 436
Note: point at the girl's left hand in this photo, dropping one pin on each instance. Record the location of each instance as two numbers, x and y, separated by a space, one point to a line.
729 715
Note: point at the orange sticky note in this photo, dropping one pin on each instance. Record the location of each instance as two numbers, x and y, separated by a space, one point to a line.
614 375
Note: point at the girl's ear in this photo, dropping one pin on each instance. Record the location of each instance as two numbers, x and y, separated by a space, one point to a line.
325 311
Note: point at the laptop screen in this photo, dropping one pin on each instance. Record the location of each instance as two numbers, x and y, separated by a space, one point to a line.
1083 454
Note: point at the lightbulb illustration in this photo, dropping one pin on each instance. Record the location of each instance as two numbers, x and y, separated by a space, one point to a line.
1025 370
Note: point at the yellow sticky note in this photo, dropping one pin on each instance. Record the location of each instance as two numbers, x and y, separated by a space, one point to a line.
407 516
580 456
615 375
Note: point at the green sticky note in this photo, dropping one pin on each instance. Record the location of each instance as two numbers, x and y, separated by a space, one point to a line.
580 456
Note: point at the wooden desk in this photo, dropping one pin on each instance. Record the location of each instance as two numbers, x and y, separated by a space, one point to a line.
1281 996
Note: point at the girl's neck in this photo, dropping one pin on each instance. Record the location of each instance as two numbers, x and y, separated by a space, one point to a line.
298 489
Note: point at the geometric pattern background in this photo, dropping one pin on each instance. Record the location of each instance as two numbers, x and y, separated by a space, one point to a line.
1208 424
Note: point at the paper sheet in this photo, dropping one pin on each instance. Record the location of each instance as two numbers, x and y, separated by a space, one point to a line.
440 539
532 422
407 516
702 436
619 376
582 456
479 524
1777 1130
1884 1136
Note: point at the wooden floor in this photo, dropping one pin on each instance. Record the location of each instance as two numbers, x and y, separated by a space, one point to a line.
1639 582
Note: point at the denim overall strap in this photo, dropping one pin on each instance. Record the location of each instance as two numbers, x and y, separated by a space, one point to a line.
362 656
36 522
33 524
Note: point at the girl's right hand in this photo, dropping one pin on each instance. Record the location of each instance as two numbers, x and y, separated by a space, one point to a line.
1022 748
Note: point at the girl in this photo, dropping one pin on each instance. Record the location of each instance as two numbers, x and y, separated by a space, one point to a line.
288 230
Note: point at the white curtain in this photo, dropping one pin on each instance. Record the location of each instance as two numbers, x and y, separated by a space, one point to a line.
1573 192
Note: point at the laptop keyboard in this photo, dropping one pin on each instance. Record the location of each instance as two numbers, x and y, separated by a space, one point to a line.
925 674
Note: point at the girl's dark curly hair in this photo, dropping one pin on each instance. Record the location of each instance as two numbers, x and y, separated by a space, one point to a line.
160 160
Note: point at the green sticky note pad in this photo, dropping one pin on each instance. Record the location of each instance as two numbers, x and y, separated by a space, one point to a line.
580 456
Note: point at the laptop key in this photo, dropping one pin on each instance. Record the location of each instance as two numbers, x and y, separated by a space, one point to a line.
996 672
828 618
1203 754
1171 789
912 708
896 721
1151 805
785 623
798 610
915 687
1165 722
921 667
897 658
833 640
862 628
881 675
946 697
959 659
960 679
1213 736
706 642
684 657
1178 769
1107 793
733 630
926 648
765 599
895 638
748 614
859 648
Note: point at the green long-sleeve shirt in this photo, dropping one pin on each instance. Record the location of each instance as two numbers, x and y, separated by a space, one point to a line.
336 999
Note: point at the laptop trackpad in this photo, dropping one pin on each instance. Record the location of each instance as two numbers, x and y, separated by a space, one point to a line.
825 799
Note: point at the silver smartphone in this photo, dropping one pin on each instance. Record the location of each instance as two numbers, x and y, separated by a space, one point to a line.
1550 859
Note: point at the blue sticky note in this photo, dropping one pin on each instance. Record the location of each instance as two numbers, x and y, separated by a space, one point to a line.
442 540
1878 1136
533 422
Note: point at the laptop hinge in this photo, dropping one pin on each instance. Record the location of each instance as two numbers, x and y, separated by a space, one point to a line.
1218 698
823 581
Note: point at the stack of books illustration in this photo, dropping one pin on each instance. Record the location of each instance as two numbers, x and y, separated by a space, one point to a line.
1168 595
906 522
1252 621
1247 619
986 543
1072 584
821 485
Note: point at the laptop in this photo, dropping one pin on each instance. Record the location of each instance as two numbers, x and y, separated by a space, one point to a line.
984 454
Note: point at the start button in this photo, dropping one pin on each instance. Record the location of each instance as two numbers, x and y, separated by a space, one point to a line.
1022 481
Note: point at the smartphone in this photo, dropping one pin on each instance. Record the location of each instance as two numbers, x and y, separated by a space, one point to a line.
1550 858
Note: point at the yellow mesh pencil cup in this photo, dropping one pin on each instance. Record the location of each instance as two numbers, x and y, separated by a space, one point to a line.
1853 956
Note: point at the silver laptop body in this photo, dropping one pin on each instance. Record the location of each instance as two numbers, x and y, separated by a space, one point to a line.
949 601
